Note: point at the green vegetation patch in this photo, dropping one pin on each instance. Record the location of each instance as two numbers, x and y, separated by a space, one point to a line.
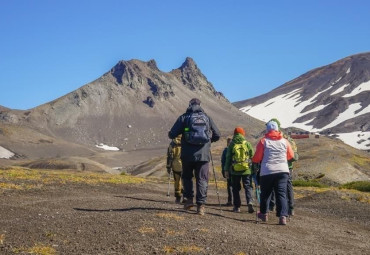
359 185
361 161
308 183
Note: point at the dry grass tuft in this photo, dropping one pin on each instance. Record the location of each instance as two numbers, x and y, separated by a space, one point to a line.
19 178
37 249
170 216
145 230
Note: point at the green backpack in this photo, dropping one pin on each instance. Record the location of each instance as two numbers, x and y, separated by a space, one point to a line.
240 157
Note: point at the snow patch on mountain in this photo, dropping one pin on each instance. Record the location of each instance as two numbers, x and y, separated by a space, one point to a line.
340 89
4 153
359 140
106 147
348 114
289 107
361 88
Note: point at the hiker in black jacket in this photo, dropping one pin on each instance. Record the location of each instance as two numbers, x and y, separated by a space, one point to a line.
198 131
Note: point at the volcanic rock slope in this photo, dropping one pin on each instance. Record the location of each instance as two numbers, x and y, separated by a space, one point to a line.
131 107
330 99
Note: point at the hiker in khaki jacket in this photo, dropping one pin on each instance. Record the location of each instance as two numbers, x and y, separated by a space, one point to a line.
174 164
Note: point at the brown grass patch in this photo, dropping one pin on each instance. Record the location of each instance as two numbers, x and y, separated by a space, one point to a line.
38 249
182 249
145 230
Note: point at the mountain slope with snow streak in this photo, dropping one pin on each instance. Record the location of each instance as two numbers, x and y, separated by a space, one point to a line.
330 99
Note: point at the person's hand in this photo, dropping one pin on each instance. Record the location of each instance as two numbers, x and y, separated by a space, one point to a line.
168 170
227 175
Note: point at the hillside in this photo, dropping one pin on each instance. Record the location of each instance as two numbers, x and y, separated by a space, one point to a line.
131 107
333 99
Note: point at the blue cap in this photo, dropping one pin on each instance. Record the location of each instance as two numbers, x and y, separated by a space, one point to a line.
272 125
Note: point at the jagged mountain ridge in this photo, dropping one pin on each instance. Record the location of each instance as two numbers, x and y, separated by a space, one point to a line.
132 106
330 99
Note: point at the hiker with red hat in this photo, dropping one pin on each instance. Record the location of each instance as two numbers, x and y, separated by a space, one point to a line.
238 166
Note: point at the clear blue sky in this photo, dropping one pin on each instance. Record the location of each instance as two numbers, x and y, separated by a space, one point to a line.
245 48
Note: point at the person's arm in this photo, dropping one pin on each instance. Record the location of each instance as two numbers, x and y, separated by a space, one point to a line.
169 159
223 161
228 159
258 156
177 128
215 132
290 152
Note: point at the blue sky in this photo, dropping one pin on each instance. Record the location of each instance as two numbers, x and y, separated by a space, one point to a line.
245 48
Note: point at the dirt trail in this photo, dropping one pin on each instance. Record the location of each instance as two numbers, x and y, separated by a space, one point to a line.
140 219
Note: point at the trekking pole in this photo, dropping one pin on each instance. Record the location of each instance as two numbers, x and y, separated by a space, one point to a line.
258 192
169 183
214 174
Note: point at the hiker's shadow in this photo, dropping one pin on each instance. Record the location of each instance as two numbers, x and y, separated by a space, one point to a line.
126 209
145 199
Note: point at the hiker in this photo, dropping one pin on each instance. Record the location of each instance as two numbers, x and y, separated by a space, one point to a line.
273 152
198 132
229 187
238 166
174 164
290 191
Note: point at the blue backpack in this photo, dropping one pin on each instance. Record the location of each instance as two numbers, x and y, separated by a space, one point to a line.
197 130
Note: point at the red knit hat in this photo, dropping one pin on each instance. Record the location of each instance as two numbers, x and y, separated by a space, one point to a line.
239 130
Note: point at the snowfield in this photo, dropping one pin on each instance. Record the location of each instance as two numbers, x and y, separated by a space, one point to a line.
106 147
289 107
4 153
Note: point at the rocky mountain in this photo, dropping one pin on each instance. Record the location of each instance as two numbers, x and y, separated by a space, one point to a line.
333 99
131 107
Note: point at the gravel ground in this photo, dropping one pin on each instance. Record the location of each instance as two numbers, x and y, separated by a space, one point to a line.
140 219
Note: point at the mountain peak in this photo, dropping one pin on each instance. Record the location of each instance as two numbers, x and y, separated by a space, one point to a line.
189 63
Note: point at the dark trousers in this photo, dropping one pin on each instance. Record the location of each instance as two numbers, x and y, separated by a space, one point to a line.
277 182
229 191
201 171
290 194
247 185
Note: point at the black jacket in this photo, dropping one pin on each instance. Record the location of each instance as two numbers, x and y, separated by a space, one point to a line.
191 152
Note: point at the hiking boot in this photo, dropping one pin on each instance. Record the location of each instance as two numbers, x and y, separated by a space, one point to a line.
291 212
183 200
200 209
178 200
236 209
188 204
250 208
229 203
282 220
263 217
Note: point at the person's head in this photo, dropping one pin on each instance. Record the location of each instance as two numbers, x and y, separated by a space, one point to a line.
194 101
228 141
272 125
239 130
277 122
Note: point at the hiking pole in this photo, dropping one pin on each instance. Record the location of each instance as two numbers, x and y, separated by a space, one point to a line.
258 192
169 183
214 175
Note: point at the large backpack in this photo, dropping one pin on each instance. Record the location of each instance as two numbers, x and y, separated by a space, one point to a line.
240 157
197 130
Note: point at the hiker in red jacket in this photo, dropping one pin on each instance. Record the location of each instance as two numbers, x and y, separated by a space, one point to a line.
273 152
